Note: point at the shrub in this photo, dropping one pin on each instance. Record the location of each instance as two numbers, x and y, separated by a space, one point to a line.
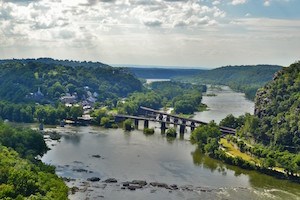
148 131
171 132
128 125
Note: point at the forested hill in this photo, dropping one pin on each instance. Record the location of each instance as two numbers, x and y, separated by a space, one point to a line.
20 80
70 63
247 78
162 73
278 106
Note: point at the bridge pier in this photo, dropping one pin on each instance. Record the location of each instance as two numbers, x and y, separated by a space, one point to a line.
163 126
182 128
160 117
136 123
175 120
181 136
168 119
193 126
146 123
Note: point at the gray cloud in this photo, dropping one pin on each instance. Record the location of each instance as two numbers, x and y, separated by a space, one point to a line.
152 23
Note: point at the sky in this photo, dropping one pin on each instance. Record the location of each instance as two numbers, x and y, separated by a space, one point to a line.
192 33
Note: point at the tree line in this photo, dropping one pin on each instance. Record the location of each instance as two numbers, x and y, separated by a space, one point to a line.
29 113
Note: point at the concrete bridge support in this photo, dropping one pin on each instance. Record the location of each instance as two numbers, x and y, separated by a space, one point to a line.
175 120
168 119
193 126
146 124
160 117
163 126
182 128
136 123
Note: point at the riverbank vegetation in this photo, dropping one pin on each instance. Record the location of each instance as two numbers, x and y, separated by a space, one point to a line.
29 113
22 175
171 132
148 131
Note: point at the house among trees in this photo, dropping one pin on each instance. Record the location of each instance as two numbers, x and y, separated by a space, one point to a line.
68 99
36 96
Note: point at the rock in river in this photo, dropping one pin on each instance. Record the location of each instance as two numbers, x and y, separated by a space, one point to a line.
111 180
94 179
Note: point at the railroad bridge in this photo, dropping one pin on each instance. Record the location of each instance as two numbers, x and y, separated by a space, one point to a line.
148 114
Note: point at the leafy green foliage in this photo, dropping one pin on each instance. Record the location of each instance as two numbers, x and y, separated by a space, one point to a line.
277 106
21 179
147 99
148 131
17 112
203 134
128 125
233 122
105 121
22 176
171 132
27 142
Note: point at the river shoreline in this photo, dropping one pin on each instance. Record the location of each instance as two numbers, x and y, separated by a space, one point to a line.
86 152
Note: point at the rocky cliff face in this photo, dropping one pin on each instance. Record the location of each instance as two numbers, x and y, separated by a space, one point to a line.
278 106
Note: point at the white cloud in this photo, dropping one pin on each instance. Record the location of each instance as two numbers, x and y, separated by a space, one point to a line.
181 32
216 3
237 2
267 3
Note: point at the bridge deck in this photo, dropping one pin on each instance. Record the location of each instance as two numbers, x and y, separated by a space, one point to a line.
225 130
183 118
150 119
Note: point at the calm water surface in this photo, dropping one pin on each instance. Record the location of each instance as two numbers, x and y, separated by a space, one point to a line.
226 102
132 155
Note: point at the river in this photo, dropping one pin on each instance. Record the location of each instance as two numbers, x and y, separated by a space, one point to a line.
85 152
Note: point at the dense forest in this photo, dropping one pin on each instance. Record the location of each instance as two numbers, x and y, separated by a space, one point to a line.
22 175
246 78
20 80
277 106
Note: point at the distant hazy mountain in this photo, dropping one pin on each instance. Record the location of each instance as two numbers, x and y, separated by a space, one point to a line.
162 73
246 78
157 66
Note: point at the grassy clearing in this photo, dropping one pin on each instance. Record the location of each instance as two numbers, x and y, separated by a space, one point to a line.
230 148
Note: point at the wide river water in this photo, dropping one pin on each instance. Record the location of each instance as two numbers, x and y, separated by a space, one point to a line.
85 152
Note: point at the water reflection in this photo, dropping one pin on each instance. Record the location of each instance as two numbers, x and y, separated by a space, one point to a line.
280 188
201 160
73 138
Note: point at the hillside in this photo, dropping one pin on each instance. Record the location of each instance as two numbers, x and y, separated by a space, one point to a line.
278 106
245 78
20 80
